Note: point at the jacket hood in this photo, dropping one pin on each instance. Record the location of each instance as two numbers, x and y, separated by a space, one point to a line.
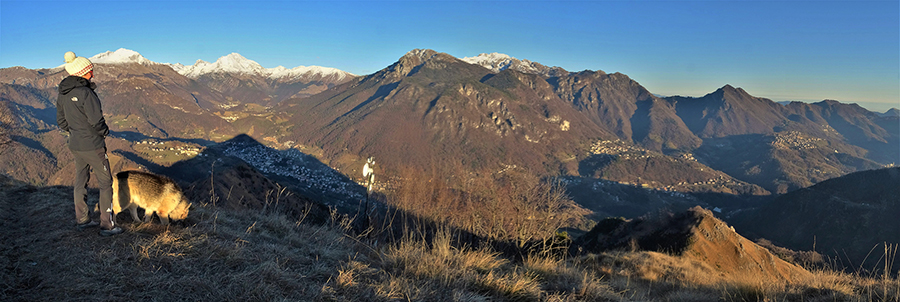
72 82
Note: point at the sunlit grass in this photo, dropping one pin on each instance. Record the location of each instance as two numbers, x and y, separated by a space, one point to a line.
226 255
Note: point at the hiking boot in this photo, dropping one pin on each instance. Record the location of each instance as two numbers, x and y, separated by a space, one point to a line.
88 224
110 232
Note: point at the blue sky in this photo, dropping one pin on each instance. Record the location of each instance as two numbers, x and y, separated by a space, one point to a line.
782 50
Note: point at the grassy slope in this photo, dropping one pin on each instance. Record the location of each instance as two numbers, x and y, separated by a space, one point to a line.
219 256
241 255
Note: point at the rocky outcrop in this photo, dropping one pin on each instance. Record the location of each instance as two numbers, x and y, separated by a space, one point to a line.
697 236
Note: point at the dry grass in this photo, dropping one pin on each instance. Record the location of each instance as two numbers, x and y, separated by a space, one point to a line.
654 276
227 255
412 270
243 255
511 206
215 257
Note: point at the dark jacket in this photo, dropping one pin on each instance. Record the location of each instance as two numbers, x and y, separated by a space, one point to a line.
78 112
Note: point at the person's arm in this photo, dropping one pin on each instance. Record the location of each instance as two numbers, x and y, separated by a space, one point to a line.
95 114
61 118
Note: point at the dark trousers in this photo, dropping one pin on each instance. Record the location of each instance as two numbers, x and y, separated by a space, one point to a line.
99 162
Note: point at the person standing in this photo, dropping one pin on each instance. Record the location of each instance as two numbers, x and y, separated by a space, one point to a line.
78 112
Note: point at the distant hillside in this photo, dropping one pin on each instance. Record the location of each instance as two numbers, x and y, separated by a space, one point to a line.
38 152
783 161
7 125
785 147
430 107
876 135
728 111
798 149
616 161
244 81
623 107
891 112
606 198
843 217
488 112
26 136
150 99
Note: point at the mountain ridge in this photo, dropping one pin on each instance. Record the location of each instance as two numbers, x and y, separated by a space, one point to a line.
231 63
498 62
494 61
493 119
434 98
236 63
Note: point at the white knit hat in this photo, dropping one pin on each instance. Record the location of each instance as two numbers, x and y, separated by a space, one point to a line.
77 66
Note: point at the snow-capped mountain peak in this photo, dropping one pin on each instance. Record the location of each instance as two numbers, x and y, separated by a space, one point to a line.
493 61
498 62
120 56
232 63
282 72
236 63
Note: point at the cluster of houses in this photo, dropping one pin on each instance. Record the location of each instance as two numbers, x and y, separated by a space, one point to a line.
617 147
606 186
687 156
794 140
178 148
626 151
293 164
721 180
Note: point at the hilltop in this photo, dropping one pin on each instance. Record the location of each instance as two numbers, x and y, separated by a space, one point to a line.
698 237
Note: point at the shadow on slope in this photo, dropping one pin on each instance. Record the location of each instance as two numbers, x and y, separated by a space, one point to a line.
241 173
629 164
613 199
844 218
781 162
244 157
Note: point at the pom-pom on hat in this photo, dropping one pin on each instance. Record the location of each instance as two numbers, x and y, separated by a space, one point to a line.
77 66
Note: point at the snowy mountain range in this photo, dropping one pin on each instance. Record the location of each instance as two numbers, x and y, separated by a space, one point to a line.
120 56
237 64
232 63
498 62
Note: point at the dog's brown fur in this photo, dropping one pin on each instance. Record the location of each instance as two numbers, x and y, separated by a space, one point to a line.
154 193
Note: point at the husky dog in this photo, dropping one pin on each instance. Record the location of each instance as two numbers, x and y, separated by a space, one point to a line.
156 194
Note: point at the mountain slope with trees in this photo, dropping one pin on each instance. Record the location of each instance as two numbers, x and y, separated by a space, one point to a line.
490 113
